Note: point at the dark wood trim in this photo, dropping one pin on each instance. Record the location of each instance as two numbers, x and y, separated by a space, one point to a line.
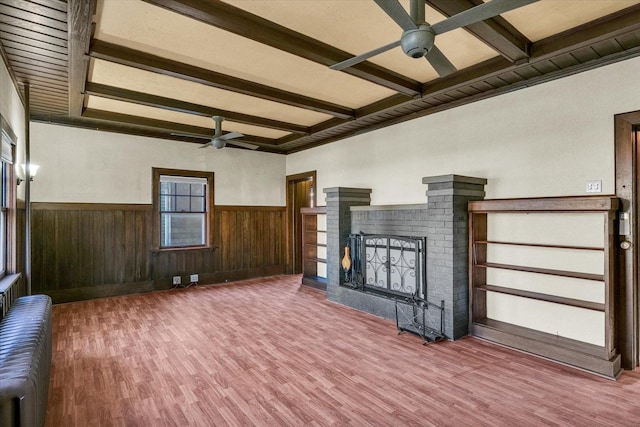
538 245
80 14
623 22
290 230
249 208
316 282
245 24
583 355
223 277
141 98
6 127
35 14
7 30
12 75
167 126
512 335
101 125
60 296
589 305
48 206
626 175
155 173
547 271
204 249
318 210
546 204
145 61
495 32
44 9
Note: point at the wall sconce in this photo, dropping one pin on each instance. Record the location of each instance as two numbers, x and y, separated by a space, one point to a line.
33 170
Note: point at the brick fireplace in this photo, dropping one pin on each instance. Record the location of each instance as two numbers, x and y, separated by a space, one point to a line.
442 220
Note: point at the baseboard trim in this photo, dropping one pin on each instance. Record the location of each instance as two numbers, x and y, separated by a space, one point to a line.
226 276
59 296
529 342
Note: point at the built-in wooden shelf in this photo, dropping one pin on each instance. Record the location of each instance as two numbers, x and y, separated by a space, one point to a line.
604 359
589 305
540 245
318 245
310 245
548 271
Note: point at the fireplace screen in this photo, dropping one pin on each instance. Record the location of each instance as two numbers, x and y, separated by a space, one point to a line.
387 264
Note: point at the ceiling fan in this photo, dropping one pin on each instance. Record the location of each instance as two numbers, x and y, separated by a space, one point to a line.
418 36
220 140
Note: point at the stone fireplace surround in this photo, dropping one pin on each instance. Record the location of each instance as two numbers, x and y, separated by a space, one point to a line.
443 220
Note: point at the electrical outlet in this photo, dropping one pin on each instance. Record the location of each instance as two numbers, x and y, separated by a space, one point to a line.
193 278
177 280
594 186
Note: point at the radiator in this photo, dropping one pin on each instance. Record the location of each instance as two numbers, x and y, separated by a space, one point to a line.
25 362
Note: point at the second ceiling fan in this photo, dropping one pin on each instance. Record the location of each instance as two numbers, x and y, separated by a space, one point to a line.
418 37
220 140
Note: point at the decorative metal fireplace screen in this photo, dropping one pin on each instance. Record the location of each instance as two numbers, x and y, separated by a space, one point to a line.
395 267
387 264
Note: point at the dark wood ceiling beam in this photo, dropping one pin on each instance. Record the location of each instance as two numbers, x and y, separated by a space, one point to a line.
100 125
145 61
607 27
477 72
245 24
171 127
80 14
620 23
150 100
495 32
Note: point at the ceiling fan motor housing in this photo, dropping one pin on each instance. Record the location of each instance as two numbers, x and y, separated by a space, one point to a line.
417 43
218 143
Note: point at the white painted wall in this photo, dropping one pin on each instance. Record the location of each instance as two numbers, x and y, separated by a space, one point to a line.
546 140
543 141
12 110
88 166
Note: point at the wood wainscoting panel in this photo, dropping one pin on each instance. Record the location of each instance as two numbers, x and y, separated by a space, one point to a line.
88 247
83 251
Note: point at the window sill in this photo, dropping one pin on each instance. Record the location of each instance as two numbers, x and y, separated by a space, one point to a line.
8 280
187 249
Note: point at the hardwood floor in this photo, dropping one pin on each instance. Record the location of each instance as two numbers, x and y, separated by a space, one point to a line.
269 353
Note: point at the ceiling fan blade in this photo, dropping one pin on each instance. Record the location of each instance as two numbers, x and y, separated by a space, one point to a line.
396 12
440 62
244 145
231 135
358 59
478 13
205 145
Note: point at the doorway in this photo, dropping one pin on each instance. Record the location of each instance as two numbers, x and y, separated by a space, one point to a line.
301 193
627 133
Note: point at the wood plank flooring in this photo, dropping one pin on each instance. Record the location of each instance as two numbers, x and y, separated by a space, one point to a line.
269 353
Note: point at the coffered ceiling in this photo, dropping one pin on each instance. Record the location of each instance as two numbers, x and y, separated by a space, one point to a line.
162 68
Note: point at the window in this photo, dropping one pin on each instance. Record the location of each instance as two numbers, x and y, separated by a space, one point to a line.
6 199
182 208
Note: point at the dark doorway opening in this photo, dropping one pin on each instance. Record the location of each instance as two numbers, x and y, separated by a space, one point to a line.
301 193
